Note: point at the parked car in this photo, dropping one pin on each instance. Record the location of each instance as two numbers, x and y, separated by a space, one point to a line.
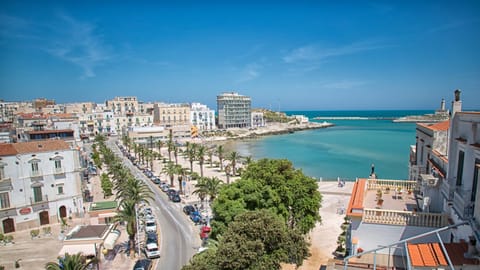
175 198
156 180
152 251
150 226
165 187
205 232
196 217
143 264
151 237
148 211
188 209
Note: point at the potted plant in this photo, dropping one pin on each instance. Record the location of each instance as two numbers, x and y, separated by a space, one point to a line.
359 250
387 190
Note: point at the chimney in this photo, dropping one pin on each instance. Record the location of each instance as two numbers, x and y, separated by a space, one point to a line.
442 105
457 103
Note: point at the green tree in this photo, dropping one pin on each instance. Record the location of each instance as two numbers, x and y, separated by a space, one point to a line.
106 185
181 172
71 262
159 144
170 170
191 154
126 213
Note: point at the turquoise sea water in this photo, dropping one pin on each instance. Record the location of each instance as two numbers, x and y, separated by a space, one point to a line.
346 150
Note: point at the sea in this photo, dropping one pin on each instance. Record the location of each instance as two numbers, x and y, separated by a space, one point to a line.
359 141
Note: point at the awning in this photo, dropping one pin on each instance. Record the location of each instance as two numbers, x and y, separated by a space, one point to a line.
85 249
112 237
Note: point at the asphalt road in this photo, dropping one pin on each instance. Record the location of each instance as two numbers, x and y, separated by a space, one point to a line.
178 236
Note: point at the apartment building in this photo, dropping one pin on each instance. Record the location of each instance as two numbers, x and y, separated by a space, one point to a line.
39 184
123 105
202 117
234 111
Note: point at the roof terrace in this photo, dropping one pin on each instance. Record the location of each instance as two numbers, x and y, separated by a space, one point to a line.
390 202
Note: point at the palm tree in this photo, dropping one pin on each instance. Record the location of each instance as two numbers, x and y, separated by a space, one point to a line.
191 154
201 189
210 157
134 190
126 213
170 145
170 170
136 148
213 187
233 157
175 153
180 171
248 160
227 173
220 152
201 157
71 262
159 144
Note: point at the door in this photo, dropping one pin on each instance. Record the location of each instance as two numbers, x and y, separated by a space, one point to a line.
8 225
44 218
63 211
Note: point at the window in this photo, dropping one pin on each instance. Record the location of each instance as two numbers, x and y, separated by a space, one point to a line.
35 168
58 164
476 172
2 172
461 157
37 194
4 200
60 189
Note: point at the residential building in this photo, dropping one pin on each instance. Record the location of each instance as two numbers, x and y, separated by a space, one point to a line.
123 105
257 119
174 117
40 184
201 117
234 111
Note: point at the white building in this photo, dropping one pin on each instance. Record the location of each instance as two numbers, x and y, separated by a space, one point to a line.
257 119
234 110
39 184
202 117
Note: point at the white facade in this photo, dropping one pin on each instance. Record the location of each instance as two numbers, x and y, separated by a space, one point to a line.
202 117
234 111
40 184
257 119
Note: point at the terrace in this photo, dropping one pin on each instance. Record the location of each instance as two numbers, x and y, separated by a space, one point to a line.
390 202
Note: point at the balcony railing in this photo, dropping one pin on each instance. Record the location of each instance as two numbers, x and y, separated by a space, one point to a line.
404 218
447 192
373 184
58 170
36 173
462 204
42 199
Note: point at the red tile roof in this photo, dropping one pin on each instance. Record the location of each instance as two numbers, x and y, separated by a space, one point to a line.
440 126
431 255
9 149
356 200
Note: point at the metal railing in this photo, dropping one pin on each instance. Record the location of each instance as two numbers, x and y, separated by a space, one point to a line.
35 200
373 184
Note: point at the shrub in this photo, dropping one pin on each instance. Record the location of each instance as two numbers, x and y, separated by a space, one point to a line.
34 233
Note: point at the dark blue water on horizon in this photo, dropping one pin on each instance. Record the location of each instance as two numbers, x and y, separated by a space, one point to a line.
346 150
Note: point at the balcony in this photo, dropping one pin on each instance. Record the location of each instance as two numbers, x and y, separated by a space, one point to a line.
462 204
58 170
38 200
36 173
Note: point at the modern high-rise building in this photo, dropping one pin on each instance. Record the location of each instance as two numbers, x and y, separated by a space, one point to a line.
234 110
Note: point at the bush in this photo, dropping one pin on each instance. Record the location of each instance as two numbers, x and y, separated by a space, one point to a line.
34 233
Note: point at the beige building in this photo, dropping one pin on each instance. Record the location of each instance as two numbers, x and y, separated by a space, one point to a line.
123 105
171 115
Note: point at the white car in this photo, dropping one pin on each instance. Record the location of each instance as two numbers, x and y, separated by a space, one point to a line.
150 225
151 250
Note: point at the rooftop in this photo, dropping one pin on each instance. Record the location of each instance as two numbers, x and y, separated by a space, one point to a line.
432 255
103 205
8 149
440 126
88 231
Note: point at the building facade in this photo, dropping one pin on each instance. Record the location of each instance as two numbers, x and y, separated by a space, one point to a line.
201 117
123 105
40 184
234 110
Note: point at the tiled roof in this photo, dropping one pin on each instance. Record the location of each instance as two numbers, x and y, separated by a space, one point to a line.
431 255
48 131
440 126
356 200
8 149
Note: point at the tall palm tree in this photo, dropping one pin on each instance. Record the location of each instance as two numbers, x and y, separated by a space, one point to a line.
201 157
213 187
170 145
191 154
71 262
126 213
233 157
248 160
170 170
159 144
136 149
220 152
134 190
210 157
201 189
175 153
181 172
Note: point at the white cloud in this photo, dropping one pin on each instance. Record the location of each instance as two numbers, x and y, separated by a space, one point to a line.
319 53
77 42
249 72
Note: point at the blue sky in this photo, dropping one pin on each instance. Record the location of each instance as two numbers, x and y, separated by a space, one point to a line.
297 55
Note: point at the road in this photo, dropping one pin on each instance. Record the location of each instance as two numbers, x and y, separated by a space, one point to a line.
178 236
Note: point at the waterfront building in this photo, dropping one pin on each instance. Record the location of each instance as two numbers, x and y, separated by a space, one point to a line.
257 119
202 117
40 184
234 111
174 117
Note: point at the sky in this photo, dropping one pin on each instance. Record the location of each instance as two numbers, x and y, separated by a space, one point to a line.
285 55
